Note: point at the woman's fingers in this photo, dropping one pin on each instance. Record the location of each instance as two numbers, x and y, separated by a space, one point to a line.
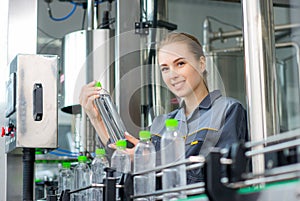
87 96
88 91
131 139
92 83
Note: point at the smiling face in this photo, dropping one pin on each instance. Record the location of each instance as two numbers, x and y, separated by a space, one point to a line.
181 70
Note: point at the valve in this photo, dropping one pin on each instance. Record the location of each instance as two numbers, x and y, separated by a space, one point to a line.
10 130
2 132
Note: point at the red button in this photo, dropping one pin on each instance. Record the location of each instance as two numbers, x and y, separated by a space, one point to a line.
3 132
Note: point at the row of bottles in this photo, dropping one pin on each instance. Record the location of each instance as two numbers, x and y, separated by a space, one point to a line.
82 176
172 150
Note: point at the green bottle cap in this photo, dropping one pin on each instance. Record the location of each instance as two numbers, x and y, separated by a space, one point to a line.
171 123
82 158
145 134
98 84
38 180
66 164
100 152
121 143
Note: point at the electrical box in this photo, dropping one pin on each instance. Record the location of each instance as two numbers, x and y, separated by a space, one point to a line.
31 98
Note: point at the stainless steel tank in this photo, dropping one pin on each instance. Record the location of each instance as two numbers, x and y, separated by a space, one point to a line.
87 56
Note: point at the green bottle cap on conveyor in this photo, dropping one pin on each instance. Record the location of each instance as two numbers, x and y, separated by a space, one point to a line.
66 165
82 158
121 143
98 84
171 123
100 152
38 180
145 134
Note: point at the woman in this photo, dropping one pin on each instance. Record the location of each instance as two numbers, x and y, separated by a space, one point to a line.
206 119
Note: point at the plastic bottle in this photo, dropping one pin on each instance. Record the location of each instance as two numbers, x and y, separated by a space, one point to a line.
120 161
82 178
144 159
173 150
110 115
98 174
66 178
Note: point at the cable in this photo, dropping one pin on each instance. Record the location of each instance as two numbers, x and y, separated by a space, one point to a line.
111 21
62 18
225 23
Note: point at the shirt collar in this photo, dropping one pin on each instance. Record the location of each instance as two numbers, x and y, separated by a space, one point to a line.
209 99
206 103
178 114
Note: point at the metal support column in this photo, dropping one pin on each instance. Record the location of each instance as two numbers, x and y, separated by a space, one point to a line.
260 72
88 133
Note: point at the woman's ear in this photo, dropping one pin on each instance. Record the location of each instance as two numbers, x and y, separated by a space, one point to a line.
202 63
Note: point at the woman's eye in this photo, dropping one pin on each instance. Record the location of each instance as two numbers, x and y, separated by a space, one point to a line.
181 63
164 69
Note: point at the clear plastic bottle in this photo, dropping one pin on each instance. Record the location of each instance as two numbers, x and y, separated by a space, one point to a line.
110 115
98 174
65 178
120 161
144 159
82 178
173 150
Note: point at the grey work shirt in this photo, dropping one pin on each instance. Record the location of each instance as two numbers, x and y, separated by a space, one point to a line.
222 117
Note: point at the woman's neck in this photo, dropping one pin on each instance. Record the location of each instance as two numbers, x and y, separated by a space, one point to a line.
194 100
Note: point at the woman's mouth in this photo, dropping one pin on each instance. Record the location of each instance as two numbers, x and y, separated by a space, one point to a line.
178 85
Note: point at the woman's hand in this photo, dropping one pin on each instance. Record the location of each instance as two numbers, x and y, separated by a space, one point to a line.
87 97
131 139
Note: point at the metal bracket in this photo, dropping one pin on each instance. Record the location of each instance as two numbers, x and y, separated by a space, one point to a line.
142 27
215 190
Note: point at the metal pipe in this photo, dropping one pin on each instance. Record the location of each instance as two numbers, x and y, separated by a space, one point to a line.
286 26
296 46
229 34
191 159
275 138
276 171
292 44
90 14
198 186
261 180
232 49
88 131
206 35
194 166
209 36
259 70
272 148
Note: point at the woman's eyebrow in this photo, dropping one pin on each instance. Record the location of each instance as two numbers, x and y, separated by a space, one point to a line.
177 59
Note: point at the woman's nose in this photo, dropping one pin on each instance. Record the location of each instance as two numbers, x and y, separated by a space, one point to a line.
173 74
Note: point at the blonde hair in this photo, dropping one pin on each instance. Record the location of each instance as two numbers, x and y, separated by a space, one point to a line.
192 43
